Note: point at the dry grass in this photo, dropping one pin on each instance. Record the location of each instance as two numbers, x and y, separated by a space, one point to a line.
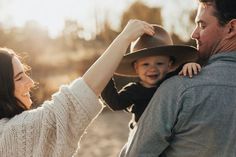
106 136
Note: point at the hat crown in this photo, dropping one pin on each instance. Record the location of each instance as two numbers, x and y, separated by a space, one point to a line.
160 38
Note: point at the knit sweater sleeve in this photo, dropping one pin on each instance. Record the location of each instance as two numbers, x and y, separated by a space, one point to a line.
55 128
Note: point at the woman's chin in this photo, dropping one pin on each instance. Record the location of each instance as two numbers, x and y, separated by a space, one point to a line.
27 103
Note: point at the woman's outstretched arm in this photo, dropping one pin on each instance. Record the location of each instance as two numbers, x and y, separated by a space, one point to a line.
98 75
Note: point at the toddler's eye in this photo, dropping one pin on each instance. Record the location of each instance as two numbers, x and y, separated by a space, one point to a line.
159 63
145 64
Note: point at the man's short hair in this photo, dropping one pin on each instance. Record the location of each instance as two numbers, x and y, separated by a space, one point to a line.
225 10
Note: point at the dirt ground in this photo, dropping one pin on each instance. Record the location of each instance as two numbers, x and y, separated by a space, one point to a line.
106 136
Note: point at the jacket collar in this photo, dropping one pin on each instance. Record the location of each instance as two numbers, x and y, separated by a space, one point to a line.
224 56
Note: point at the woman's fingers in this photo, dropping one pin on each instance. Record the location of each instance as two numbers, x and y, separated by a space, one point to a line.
136 28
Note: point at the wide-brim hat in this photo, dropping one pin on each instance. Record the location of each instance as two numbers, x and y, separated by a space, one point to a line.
160 44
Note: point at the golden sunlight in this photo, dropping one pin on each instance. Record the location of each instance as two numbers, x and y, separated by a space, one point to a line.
52 13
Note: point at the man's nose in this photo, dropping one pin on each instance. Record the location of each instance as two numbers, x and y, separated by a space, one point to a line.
195 34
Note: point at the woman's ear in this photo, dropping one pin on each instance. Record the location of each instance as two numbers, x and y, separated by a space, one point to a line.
231 29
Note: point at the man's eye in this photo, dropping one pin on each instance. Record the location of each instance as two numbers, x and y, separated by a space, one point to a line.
202 26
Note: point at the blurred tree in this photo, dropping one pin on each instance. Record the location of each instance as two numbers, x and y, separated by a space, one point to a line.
3 37
192 26
107 34
31 38
70 33
176 39
138 10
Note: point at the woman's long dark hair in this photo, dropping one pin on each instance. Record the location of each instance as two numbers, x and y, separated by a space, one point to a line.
9 104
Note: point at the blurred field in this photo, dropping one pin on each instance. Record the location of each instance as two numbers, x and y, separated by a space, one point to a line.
59 60
106 136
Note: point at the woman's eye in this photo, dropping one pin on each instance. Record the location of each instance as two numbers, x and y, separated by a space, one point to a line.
18 79
21 76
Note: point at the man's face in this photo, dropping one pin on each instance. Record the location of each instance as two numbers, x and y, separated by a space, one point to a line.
208 33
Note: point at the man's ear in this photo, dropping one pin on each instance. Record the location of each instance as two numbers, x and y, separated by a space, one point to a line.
231 26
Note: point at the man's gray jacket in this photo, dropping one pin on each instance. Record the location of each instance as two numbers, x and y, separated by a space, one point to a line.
191 117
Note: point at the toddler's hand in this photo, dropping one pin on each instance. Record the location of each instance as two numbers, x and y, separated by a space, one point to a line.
190 69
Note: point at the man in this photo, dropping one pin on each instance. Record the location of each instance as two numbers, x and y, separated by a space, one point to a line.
196 117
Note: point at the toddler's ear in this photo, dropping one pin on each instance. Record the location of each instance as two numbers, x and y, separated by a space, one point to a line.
171 68
135 66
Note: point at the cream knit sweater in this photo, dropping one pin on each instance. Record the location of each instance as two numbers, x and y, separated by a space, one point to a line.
55 128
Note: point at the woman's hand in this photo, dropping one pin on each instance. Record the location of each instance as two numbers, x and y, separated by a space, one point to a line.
135 28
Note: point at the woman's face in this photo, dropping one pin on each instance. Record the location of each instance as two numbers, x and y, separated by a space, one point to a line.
23 83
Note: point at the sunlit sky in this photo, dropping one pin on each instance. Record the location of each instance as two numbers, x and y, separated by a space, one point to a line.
52 13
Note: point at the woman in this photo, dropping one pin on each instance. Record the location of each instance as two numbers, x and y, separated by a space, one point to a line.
55 128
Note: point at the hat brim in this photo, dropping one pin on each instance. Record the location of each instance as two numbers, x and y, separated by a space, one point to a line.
181 54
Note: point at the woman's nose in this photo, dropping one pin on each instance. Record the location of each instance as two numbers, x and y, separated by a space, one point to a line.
30 82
